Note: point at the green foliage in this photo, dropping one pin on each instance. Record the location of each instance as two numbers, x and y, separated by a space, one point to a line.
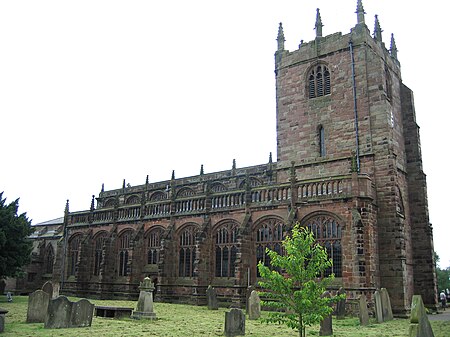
443 278
15 247
295 293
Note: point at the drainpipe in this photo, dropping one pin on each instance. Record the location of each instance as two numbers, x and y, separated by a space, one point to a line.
355 108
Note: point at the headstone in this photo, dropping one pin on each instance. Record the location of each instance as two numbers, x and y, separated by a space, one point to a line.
420 325
144 308
254 306
3 312
378 307
340 305
363 311
386 305
211 297
9 297
48 288
234 323
37 306
247 296
326 325
62 313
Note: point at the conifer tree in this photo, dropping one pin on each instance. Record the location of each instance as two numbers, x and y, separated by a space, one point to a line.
15 247
294 284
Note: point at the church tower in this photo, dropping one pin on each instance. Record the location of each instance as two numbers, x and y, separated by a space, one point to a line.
342 108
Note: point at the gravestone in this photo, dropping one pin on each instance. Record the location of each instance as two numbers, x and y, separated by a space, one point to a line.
363 311
3 312
62 313
48 288
254 306
326 325
420 325
37 306
378 307
234 323
247 296
144 308
211 297
386 305
340 305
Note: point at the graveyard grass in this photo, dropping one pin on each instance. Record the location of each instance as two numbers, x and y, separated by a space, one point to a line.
184 320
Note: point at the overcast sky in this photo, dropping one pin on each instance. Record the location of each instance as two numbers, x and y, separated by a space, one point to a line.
95 92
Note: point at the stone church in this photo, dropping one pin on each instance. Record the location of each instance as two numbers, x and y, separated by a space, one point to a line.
348 166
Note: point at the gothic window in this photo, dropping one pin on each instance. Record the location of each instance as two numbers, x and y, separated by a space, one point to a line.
319 83
99 241
218 187
158 195
154 245
269 234
185 192
124 253
226 238
253 182
388 83
110 202
74 252
49 260
133 200
328 234
322 141
187 252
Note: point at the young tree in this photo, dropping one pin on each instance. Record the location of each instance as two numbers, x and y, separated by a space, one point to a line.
294 282
15 247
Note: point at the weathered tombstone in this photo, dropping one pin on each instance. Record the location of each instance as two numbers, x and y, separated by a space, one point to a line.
363 312
144 308
254 306
234 323
48 288
386 305
82 312
55 290
211 297
420 325
378 307
326 325
3 312
9 297
37 306
247 296
62 313
340 305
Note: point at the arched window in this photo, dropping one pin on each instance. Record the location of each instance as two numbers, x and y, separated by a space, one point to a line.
134 199
319 83
154 245
99 242
124 253
269 234
328 234
187 252
49 259
226 238
74 252
322 141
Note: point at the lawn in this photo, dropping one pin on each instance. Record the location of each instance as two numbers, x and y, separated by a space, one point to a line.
185 320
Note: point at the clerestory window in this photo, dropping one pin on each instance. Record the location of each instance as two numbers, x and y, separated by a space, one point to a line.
319 83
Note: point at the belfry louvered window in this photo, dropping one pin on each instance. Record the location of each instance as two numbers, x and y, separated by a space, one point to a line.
319 83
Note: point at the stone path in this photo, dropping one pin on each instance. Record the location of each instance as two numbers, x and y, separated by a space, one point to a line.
442 316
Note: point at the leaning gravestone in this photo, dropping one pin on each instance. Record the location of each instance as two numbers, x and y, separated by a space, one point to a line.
144 308
62 313
340 305
420 325
254 306
247 296
378 307
211 297
363 312
326 325
234 323
37 306
48 288
386 305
